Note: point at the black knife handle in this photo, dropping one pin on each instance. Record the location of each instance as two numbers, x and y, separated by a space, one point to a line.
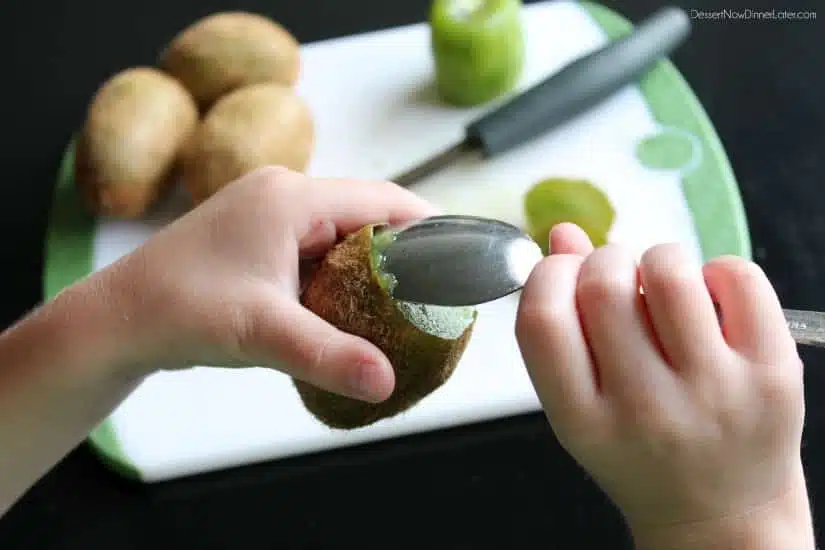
580 85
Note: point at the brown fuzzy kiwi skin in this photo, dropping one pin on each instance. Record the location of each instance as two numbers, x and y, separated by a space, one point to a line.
126 152
256 126
346 292
229 50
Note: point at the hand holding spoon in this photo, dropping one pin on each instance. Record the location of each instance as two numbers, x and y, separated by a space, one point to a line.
468 260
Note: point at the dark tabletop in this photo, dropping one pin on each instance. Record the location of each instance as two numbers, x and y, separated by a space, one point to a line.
500 484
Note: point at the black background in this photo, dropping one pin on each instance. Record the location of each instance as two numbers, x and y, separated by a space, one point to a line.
502 484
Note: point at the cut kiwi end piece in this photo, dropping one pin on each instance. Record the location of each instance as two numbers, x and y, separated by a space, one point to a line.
558 200
477 47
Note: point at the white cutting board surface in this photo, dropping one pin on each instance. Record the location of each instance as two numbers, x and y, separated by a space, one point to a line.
376 114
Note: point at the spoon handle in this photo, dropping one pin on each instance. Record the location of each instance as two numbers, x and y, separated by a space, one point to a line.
807 327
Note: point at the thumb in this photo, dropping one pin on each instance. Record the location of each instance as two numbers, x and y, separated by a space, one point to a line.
314 351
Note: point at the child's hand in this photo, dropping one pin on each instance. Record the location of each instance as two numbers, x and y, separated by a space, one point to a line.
220 285
692 429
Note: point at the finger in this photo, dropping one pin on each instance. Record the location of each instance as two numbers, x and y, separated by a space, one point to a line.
551 340
321 237
318 353
681 310
352 204
752 319
616 327
569 238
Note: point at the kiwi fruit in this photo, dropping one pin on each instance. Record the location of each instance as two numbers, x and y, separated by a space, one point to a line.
423 343
230 50
557 200
252 127
136 125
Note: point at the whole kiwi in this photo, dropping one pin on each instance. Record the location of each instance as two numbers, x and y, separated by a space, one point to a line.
229 50
252 127
423 343
136 125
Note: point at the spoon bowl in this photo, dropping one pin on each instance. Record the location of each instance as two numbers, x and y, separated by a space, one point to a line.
459 260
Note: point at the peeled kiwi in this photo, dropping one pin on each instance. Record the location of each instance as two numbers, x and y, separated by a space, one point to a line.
229 50
136 125
423 343
255 126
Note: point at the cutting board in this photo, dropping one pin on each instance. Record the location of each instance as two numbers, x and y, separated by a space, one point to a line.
651 148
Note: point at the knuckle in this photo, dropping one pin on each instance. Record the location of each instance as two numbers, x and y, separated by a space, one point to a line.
601 291
267 182
551 268
718 394
608 277
543 306
542 320
729 418
642 411
781 385
652 424
244 333
742 272
748 275
666 270
317 359
669 282
270 174
661 253
542 272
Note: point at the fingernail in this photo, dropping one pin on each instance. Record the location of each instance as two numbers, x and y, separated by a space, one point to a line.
372 382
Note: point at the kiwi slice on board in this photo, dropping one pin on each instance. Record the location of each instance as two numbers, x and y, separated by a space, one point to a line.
477 47
423 343
558 200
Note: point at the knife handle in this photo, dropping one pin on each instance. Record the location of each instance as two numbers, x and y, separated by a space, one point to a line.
580 85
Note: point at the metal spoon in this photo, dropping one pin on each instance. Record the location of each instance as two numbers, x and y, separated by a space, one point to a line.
468 260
